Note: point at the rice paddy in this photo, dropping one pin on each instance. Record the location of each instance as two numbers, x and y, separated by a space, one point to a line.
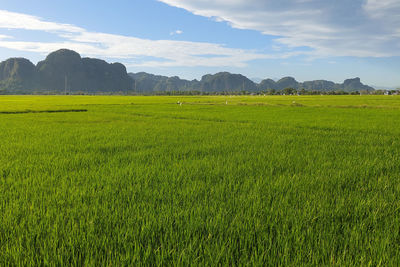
213 180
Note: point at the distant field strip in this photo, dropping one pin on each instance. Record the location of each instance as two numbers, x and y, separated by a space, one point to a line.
43 111
157 116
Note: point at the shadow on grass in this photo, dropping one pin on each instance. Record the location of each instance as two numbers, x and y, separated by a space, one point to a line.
43 111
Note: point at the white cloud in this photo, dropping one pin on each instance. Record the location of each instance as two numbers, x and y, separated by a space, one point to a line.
130 50
12 20
2 36
381 5
363 28
176 32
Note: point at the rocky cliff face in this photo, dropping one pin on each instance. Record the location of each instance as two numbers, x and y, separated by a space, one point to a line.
225 81
355 85
320 85
349 85
219 82
63 70
67 70
17 75
101 76
60 68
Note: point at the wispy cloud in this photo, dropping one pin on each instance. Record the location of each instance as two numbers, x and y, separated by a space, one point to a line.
362 28
2 36
177 32
12 20
132 51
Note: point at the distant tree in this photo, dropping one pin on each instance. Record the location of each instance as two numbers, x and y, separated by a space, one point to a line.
289 91
341 92
302 91
378 92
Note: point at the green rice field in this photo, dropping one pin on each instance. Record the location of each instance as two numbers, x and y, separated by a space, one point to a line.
205 180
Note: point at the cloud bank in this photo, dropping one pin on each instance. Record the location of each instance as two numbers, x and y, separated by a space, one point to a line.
131 50
360 28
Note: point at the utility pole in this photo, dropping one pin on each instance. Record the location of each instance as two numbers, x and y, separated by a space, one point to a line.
65 84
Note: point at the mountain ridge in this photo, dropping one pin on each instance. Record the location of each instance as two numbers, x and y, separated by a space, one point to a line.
228 82
65 71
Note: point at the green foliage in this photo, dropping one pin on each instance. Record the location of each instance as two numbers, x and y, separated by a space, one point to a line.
218 180
223 82
289 91
17 75
63 70
219 82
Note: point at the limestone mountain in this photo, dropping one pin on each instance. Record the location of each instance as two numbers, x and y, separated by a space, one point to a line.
219 82
355 84
65 70
145 82
17 75
101 76
266 84
60 69
320 85
287 82
228 82
349 85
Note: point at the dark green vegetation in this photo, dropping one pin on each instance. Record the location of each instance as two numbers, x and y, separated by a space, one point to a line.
17 75
43 111
64 71
228 82
215 181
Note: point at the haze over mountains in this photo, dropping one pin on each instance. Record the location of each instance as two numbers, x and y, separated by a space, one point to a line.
66 71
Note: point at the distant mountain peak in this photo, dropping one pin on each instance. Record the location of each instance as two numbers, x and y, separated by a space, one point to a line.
229 82
65 70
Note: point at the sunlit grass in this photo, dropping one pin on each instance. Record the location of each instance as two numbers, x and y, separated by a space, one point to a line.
274 180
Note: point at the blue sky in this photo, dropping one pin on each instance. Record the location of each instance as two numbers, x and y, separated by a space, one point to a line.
306 39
